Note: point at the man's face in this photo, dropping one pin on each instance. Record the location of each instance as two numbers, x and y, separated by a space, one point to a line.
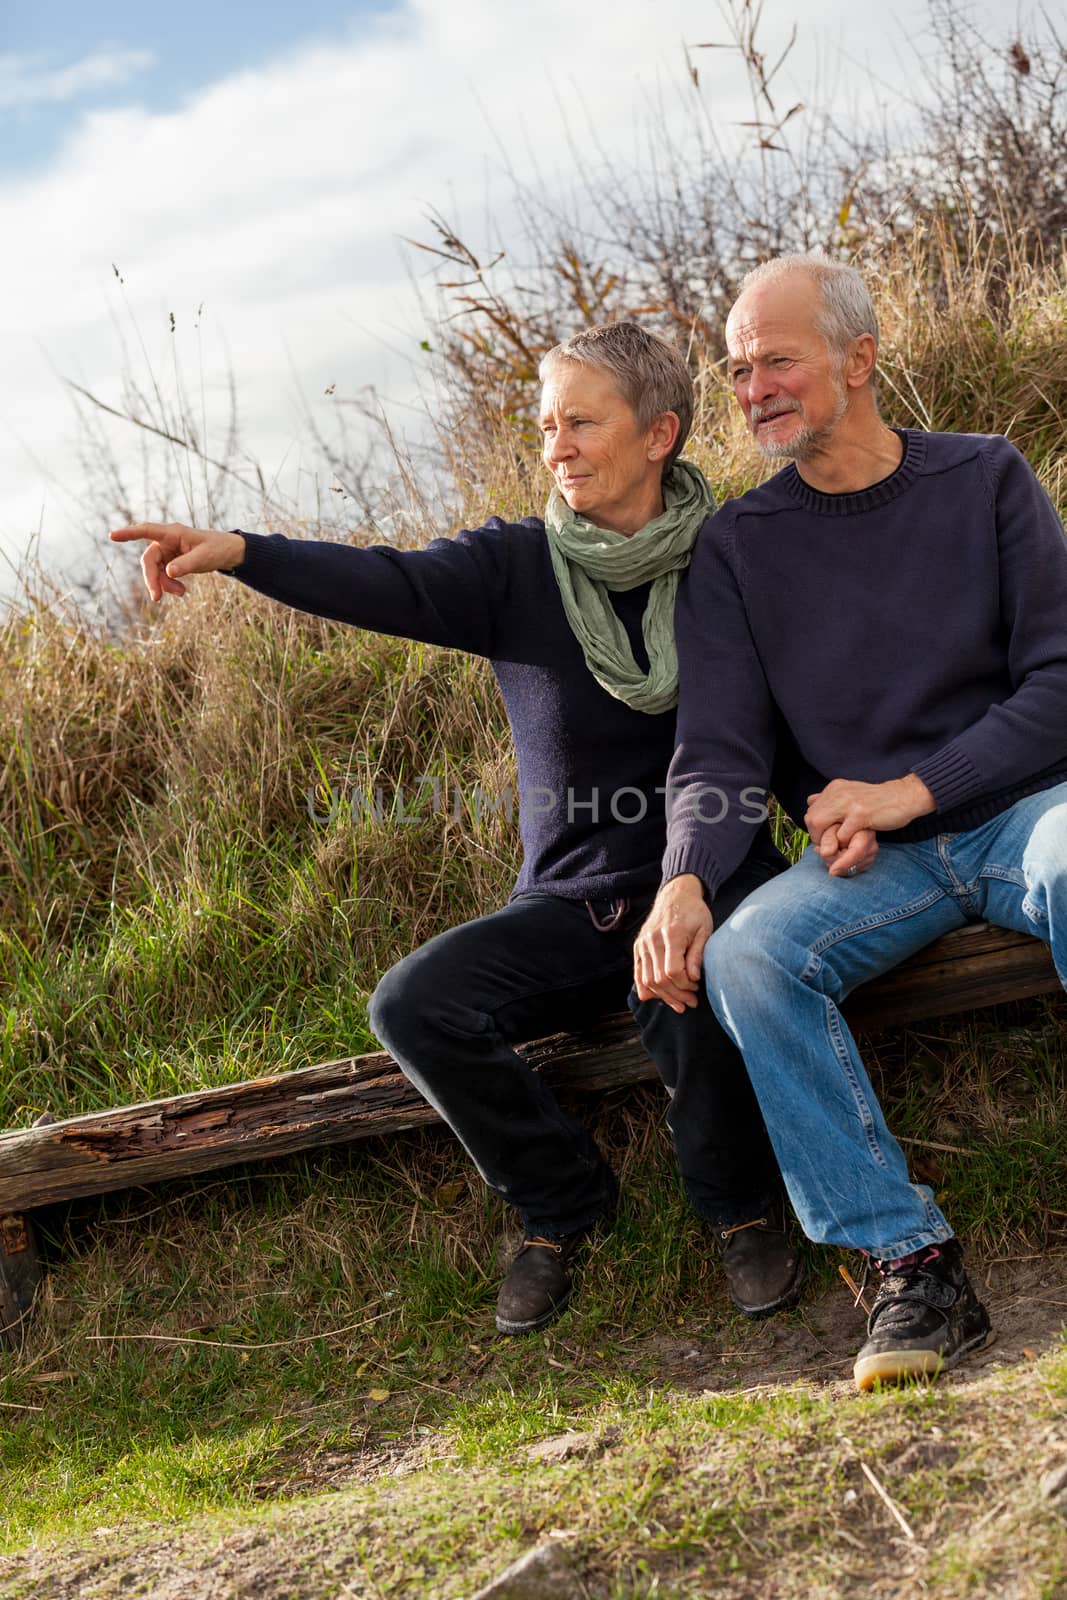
592 445
786 378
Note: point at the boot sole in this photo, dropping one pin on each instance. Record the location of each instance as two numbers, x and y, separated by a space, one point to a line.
897 1366
785 1302
760 1313
506 1325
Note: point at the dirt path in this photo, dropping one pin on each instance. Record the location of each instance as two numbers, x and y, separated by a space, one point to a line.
321 1538
1026 1296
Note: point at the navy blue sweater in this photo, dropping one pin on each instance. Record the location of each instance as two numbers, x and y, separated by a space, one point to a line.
589 768
917 626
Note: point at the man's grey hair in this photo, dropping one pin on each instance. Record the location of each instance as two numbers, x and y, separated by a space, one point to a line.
650 374
847 311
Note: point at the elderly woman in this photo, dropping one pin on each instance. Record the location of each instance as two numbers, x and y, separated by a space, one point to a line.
575 613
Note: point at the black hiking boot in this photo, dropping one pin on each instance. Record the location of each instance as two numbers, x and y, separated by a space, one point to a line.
538 1283
763 1268
925 1317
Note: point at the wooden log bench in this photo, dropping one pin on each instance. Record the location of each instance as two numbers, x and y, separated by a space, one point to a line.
363 1096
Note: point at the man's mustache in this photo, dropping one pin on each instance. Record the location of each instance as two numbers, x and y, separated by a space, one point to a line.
778 409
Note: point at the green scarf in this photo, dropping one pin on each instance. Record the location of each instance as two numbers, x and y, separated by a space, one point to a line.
589 561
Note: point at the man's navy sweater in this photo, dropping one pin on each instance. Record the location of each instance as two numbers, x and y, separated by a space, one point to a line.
917 626
587 762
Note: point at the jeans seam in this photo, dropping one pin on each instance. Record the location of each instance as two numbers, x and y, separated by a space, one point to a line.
848 930
840 1049
1003 874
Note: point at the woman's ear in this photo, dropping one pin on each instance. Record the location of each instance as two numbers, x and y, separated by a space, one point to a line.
662 435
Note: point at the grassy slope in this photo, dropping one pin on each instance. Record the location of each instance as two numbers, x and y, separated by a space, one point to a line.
760 1492
207 1346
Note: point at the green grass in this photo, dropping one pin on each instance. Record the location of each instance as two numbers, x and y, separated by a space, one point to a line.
172 916
369 1274
679 1492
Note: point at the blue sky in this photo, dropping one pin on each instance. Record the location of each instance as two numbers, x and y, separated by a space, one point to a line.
255 170
60 58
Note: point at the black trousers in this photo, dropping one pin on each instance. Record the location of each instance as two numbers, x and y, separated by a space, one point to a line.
450 1013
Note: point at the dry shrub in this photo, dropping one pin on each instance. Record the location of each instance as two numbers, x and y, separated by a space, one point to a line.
972 341
975 341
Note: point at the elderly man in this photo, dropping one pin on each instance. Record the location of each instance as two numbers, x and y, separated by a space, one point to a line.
576 615
883 623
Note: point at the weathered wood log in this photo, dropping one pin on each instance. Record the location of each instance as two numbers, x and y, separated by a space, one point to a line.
353 1098
975 966
20 1275
356 1098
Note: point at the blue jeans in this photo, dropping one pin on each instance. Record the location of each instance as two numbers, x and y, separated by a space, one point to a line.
779 968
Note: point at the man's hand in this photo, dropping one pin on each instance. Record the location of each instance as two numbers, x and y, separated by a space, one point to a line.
844 817
175 551
670 947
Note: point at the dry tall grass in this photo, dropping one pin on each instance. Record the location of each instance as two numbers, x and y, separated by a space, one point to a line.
170 914
974 339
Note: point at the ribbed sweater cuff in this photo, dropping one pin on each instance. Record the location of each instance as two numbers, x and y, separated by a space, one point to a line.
951 777
692 857
265 554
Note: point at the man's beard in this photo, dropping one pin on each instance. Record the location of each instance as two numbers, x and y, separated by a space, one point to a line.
806 442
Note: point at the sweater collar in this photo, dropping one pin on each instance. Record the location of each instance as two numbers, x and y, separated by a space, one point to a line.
856 501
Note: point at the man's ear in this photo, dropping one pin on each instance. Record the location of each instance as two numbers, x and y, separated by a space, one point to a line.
859 363
662 435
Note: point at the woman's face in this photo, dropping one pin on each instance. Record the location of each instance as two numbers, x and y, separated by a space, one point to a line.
605 466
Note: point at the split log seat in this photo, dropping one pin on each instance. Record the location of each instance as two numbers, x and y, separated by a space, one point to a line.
363 1096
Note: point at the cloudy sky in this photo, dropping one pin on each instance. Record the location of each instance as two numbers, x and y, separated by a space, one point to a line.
253 170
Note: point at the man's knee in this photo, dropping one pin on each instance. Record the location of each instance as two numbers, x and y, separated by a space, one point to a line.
1045 857
735 951
750 960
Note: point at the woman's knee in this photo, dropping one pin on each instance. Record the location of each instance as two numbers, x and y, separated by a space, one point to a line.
646 1013
403 1004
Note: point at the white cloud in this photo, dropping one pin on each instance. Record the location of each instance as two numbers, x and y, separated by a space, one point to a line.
28 81
276 198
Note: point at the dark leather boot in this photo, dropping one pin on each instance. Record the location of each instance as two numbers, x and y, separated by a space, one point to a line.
538 1283
763 1268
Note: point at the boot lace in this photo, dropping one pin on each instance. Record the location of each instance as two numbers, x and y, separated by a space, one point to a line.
739 1227
905 1282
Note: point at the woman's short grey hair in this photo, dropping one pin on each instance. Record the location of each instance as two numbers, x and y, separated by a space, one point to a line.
650 374
847 310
